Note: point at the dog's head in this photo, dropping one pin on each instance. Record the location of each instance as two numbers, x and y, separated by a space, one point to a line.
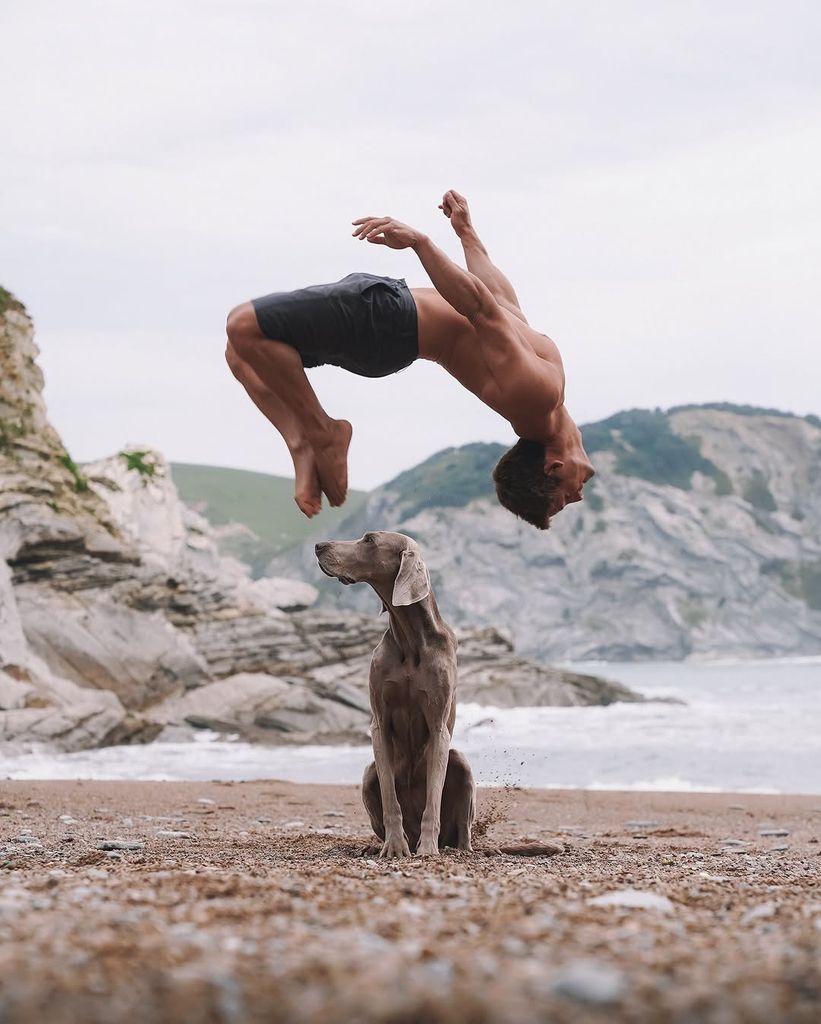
390 562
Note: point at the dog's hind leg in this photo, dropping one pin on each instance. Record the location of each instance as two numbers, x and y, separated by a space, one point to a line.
372 799
458 803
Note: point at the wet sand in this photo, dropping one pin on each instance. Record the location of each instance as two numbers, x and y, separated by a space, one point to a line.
167 902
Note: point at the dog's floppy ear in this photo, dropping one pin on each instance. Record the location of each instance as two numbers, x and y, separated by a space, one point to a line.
412 582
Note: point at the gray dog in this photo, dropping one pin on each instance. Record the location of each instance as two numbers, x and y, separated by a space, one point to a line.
418 793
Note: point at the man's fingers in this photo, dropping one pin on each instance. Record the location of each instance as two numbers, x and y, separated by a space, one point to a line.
362 223
378 224
378 239
368 224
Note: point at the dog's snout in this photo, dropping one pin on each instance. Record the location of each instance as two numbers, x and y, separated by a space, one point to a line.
321 547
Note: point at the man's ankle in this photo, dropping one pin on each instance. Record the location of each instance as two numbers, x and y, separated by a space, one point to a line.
298 445
323 434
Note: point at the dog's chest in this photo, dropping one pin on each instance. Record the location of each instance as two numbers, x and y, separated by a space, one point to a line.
398 688
404 688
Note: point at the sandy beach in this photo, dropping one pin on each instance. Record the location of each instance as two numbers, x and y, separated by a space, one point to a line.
159 901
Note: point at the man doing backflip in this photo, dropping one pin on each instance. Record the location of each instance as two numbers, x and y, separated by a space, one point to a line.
469 322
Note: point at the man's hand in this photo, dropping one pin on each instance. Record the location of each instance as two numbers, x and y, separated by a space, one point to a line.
386 231
455 208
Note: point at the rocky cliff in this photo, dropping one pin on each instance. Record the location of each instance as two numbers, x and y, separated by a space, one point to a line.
699 536
120 621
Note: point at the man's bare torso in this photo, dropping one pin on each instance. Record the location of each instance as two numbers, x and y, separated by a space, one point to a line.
533 365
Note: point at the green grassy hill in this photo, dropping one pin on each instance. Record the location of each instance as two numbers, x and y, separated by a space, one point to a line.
450 478
263 503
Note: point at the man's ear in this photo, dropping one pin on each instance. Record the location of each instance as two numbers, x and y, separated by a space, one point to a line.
412 582
552 466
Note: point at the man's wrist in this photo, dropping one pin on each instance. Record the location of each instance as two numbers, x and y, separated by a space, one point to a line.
419 242
468 236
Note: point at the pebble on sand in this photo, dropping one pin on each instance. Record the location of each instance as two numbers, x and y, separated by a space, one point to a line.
589 981
120 844
633 899
762 911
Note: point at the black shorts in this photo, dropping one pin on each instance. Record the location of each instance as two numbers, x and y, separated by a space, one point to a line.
363 323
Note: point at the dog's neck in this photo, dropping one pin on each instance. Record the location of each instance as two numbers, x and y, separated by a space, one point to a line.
411 625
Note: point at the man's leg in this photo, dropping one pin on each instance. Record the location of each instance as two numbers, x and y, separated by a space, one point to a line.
279 368
307 492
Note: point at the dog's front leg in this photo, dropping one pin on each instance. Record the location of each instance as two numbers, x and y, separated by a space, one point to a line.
395 845
437 766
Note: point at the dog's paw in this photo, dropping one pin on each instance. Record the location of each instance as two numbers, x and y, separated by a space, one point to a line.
395 847
427 848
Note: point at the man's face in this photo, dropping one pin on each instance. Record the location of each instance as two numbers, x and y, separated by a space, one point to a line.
571 476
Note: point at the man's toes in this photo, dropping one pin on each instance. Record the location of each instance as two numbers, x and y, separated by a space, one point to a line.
335 494
308 506
334 498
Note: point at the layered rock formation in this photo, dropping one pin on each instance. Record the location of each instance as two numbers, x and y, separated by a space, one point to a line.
700 536
119 619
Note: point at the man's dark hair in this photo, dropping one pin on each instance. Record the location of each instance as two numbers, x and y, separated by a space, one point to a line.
522 486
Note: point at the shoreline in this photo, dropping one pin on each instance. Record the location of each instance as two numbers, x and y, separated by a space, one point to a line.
684 788
266 901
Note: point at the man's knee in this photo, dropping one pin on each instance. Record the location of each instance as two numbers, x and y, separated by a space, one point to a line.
233 358
241 326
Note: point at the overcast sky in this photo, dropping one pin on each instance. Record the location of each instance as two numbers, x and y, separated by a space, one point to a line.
647 174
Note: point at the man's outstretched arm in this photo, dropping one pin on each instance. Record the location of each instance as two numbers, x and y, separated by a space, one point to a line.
455 208
464 291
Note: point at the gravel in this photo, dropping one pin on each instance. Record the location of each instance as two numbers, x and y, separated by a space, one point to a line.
264 923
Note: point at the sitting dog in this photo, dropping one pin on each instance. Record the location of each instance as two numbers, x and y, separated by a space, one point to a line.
418 793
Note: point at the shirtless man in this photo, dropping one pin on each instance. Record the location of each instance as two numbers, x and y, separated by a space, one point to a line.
469 322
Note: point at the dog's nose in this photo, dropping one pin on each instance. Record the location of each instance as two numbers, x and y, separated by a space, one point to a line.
322 546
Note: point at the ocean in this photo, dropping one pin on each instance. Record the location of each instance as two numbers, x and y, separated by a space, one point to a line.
744 726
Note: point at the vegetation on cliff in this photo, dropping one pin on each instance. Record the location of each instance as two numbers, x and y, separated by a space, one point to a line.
646 446
449 479
9 301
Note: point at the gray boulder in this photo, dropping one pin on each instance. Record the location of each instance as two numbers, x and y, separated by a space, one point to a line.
265 708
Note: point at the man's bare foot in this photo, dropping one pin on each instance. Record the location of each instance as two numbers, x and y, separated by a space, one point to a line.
307 489
332 460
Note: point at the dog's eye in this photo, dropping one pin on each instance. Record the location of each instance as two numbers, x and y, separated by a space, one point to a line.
369 538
